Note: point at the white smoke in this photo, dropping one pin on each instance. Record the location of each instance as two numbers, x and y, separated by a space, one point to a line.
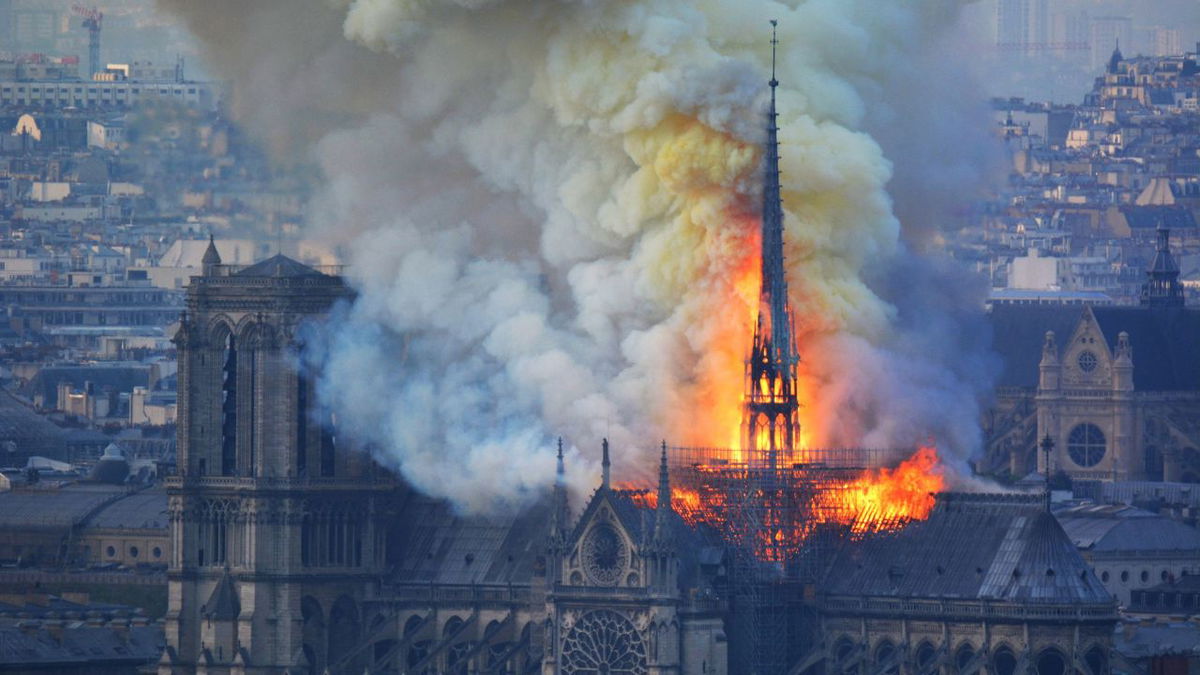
545 204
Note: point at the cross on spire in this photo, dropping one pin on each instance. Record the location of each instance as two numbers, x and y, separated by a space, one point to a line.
774 42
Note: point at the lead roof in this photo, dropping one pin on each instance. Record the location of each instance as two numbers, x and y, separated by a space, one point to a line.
972 547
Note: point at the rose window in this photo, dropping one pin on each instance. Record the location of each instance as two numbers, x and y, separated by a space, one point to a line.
603 642
604 554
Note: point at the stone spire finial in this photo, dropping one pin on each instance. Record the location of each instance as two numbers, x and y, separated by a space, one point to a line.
211 257
663 509
606 467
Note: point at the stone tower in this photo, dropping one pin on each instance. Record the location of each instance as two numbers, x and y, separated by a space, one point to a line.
276 527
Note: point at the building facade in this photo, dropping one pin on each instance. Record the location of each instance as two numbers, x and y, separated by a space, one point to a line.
1018 599
1116 389
276 529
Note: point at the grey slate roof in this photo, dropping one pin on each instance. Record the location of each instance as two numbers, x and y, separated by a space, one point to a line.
143 511
1164 338
995 547
1147 218
30 433
443 547
53 508
278 266
1111 528
80 646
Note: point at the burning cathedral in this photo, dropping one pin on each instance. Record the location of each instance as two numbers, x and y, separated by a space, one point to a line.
292 552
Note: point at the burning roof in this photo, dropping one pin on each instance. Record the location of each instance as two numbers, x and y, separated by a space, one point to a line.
996 547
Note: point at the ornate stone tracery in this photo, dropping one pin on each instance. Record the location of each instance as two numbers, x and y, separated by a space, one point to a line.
603 641
605 555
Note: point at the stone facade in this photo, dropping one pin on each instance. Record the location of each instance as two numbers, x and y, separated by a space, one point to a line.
276 528
1116 388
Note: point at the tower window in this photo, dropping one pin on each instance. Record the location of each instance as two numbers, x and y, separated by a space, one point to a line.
328 446
301 425
229 409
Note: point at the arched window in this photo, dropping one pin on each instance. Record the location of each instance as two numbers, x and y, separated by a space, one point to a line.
328 444
229 408
1004 661
925 656
1086 445
1153 463
313 632
1051 662
302 385
343 634
842 649
963 656
885 658
1096 660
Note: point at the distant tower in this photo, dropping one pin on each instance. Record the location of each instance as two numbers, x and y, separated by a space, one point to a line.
1114 61
1162 287
276 525
770 420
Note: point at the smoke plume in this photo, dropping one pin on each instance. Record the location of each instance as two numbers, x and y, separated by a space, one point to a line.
550 212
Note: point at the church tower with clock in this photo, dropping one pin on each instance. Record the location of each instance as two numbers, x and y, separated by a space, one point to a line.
624 588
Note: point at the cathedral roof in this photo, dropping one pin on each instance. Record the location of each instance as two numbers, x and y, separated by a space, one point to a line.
442 546
1004 548
1166 338
279 265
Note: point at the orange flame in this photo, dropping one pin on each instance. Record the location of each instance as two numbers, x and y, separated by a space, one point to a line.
885 497
878 500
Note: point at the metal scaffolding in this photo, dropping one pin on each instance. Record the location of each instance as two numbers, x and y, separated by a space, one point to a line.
782 518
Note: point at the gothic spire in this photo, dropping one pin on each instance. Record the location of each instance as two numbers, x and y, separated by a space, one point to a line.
770 419
606 467
663 507
211 257
558 515
1162 287
774 280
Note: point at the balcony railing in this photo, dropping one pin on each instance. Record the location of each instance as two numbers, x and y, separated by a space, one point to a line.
967 609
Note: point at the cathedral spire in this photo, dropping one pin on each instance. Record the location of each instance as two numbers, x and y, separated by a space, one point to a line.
1162 287
770 419
774 281
605 467
211 257
558 514
662 509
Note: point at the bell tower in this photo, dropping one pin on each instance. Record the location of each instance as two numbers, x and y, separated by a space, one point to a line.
275 521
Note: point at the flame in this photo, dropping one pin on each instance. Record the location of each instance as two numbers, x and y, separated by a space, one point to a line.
883 497
876 500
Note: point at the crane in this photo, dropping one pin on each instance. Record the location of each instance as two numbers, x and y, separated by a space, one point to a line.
91 21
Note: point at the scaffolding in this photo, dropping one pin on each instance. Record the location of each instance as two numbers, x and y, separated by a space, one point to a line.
782 518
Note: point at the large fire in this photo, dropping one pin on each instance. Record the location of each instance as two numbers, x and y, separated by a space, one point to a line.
807 499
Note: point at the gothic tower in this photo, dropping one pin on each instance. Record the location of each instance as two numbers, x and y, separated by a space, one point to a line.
771 425
276 529
1162 288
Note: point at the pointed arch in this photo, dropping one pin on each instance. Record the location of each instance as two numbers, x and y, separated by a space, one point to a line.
344 631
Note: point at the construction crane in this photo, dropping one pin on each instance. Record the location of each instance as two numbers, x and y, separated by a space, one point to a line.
91 21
